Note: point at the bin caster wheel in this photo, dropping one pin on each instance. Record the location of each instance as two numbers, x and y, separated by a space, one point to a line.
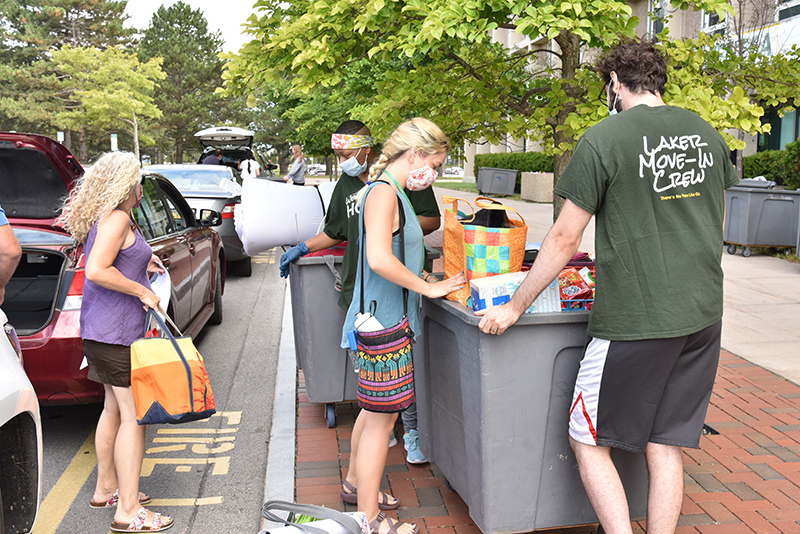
746 252
331 415
731 249
600 529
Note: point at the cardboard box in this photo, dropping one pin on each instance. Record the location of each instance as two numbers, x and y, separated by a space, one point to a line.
497 290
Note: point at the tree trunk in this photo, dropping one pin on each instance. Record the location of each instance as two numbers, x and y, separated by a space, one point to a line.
179 151
570 45
329 167
740 158
83 149
68 139
136 137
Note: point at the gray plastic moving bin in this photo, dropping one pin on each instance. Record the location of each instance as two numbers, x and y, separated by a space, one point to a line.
760 217
496 181
318 322
493 417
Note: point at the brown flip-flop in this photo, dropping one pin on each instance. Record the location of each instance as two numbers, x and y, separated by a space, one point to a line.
351 497
143 499
375 524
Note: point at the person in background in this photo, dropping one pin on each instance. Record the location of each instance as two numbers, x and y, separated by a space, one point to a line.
10 253
215 158
116 294
249 167
654 176
411 158
353 145
297 174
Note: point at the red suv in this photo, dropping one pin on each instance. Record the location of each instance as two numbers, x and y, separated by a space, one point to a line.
43 298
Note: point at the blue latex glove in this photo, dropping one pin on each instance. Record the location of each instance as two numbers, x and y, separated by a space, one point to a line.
293 254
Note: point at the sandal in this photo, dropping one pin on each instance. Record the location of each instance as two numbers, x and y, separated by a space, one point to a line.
351 497
143 499
375 524
159 523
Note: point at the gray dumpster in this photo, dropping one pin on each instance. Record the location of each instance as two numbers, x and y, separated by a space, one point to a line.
496 181
493 416
318 322
758 216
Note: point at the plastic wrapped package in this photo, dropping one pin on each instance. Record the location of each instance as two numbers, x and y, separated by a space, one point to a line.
272 214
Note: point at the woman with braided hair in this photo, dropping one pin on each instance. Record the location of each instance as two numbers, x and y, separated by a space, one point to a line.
411 159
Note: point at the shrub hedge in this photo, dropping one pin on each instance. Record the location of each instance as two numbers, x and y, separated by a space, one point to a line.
520 161
768 164
791 162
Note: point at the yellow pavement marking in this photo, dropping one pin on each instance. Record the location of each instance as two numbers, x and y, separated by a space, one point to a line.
166 448
57 503
234 418
183 468
194 440
197 430
186 502
203 449
221 465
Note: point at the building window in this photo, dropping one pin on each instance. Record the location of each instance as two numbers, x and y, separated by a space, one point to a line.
789 11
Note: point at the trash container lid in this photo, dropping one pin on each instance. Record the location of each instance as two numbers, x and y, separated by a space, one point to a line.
759 181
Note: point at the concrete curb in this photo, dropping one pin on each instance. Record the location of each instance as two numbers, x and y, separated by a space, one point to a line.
279 481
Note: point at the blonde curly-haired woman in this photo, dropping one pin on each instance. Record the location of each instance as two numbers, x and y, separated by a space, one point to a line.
411 158
116 294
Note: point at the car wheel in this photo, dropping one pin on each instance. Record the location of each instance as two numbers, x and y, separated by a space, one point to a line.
243 267
216 317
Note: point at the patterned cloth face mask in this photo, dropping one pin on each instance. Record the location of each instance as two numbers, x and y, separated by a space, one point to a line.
422 178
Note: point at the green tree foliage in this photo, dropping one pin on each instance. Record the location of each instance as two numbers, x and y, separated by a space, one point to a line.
180 35
107 88
474 88
454 74
29 31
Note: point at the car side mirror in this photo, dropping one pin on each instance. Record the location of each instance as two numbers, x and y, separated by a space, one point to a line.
210 218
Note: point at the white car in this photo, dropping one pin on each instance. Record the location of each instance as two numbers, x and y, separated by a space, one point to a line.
20 439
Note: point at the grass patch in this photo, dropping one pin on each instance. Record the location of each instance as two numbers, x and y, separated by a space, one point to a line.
777 252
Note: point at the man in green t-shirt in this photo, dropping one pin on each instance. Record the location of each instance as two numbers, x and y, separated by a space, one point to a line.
654 177
352 144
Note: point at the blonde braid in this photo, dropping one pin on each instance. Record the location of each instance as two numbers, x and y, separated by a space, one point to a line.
378 167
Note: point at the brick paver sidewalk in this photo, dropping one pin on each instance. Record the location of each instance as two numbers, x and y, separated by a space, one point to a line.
744 479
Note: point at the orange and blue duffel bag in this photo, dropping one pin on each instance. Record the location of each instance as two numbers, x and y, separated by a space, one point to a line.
168 377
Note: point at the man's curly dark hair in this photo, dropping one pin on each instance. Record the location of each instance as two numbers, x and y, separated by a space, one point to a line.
638 64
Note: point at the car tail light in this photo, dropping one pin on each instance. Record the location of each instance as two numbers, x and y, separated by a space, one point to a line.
227 211
75 292
11 334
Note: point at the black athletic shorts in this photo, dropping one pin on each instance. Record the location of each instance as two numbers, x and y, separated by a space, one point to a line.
629 393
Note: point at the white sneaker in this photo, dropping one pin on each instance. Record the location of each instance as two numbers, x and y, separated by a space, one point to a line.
392 440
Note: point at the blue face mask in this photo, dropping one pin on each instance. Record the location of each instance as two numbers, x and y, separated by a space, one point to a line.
352 167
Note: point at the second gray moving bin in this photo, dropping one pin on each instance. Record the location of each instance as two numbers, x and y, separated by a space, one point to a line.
318 322
496 181
493 417
758 216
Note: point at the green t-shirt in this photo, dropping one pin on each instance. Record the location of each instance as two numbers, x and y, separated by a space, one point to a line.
341 223
655 179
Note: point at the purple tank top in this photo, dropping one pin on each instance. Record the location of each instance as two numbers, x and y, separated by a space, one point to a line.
109 316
